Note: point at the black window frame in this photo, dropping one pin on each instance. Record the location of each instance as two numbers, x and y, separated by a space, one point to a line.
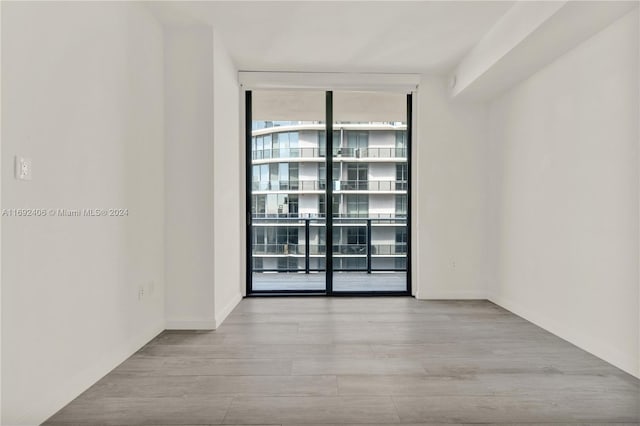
328 147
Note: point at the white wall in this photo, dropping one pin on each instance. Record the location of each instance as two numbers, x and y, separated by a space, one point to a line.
203 180
384 139
449 187
82 96
565 191
228 216
189 177
382 171
383 203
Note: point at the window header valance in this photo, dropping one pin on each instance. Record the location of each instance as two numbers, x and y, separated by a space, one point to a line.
405 83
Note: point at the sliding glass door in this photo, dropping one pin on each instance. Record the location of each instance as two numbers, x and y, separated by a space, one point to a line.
287 191
370 192
297 142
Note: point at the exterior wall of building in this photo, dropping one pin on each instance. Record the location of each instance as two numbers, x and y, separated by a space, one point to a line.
382 205
365 171
382 139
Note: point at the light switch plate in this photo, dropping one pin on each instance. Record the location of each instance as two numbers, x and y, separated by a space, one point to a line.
23 168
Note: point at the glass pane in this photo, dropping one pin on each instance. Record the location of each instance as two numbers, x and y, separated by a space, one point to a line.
370 192
288 192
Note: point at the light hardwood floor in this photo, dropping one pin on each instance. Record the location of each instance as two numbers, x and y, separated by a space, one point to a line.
360 361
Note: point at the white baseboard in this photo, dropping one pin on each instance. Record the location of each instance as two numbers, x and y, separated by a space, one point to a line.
229 307
594 346
191 325
206 324
451 295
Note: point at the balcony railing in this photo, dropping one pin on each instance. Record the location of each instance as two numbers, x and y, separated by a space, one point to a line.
288 185
299 217
388 249
366 249
376 249
265 154
370 185
374 152
287 249
338 249
343 185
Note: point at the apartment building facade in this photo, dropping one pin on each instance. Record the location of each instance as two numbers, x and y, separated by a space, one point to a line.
369 196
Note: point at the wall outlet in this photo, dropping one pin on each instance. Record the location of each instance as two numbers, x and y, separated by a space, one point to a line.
23 168
140 292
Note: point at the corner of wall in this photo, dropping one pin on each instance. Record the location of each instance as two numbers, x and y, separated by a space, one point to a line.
565 172
228 168
223 313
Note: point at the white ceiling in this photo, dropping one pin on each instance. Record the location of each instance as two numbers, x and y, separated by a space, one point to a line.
346 36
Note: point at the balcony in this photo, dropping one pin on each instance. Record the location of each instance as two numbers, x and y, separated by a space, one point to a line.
288 153
371 153
371 250
298 218
277 250
319 154
371 185
317 219
376 249
286 185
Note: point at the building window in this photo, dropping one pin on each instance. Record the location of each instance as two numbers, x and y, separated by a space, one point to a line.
259 235
322 174
259 207
287 235
322 142
294 175
264 144
281 239
401 177
293 205
401 240
357 235
357 176
401 143
336 206
401 172
357 139
277 145
273 205
401 205
275 176
285 144
283 176
357 171
357 205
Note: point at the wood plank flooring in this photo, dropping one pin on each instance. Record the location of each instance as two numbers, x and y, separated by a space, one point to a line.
337 361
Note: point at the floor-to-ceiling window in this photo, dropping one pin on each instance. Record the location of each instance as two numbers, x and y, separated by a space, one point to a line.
307 236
